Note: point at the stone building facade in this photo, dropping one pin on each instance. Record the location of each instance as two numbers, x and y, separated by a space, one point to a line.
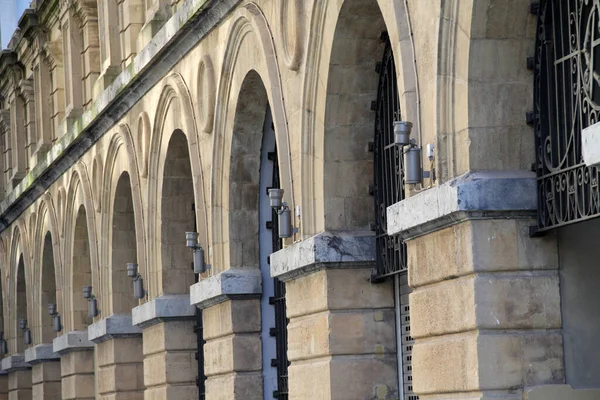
126 124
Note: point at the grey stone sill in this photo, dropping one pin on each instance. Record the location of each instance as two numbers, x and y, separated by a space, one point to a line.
163 308
72 341
324 251
115 326
590 144
192 22
235 283
14 363
41 353
470 196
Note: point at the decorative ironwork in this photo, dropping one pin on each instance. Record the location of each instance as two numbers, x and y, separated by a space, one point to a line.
566 101
389 173
278 301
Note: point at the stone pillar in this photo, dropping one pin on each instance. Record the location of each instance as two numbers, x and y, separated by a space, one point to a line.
133 21
76 365
232 324
19 377
119 358
45 372
53 53
485 309
157 13
73 71
27 92
169 347
341 334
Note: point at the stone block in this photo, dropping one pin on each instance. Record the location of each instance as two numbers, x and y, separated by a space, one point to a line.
171 392
46 372
121 350
170 368
479 246
232 316
163 308
560 392
115 326
489 361
239 353
232 283
78 387
169 336
246 385
46 390
77 362
20 379
120 378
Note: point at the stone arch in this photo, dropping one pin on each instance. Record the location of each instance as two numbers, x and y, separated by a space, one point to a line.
351 46
248 31
175 114
81 267
121 161
206 94
47 269
97 180
19 283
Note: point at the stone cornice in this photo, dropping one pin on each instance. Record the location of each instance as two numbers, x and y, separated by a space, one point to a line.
480 195
328 250
28 23
115 326
181 33
26 89
40 353
72 341
233 284
161 309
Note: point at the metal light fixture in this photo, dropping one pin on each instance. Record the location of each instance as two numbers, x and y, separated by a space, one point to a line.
413 168
191 241
56 322
286 230
402 131
3 344
138 282
26 331
92 302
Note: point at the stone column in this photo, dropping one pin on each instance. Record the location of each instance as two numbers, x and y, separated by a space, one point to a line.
45 372
231 318
485 309
73 72
169 347
19 377
27 92
119 358
110 49
76 365
341 334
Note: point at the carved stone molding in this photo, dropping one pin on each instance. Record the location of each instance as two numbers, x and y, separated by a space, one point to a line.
291 23
206 94
5 121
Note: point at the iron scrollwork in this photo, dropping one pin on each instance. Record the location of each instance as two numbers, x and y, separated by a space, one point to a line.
566 101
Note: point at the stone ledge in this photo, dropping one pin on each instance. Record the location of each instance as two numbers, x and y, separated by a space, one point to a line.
115 326
235 283
41 353
14 363
325 250
590 145
470 196
72 341
163 308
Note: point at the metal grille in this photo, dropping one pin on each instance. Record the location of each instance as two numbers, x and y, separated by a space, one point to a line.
406 339
278 302
389 175
199 331
566 101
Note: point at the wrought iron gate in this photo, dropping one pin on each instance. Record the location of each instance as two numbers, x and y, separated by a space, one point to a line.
389 174
566 101
278 301
388 190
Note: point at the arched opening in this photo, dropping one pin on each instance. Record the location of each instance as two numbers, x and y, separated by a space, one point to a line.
177 216
82 273
48 294
21 307
349 120
123 249
253 170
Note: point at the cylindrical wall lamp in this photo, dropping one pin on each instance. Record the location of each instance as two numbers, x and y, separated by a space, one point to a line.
191 241
92 303
284 225
138 282
56 321
26 331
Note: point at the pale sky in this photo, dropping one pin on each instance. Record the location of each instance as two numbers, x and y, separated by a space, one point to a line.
10 12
